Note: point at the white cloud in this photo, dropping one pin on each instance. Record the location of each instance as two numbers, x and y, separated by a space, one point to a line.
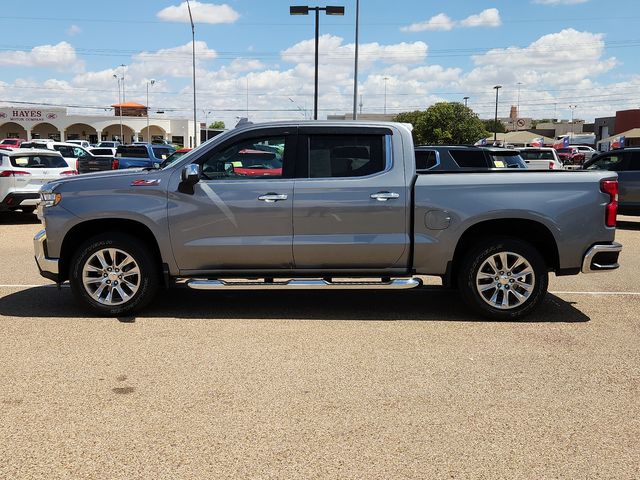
202 13
73 30
61 56
438 22
333 51
559 2
173 62
565 57
487 18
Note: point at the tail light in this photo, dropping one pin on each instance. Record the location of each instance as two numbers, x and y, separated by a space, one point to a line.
115 164
69 172
551 166
13 173
610 187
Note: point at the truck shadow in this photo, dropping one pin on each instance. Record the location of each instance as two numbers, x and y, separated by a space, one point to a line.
426 304
18 218
627 225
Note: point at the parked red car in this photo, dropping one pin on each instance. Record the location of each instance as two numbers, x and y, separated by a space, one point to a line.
257 163
570 156
11 143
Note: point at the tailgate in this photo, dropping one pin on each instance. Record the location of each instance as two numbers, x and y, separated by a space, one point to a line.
95 164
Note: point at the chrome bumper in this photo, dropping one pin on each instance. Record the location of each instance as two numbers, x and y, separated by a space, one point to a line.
48 266
601 258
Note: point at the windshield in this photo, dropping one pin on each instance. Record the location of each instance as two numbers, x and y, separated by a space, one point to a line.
39 161
8 141
506 160
537 155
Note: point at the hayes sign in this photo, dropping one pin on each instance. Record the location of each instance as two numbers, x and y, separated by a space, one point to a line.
27 115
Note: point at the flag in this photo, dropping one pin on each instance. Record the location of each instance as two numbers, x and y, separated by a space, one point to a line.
537 142
481 143
562 142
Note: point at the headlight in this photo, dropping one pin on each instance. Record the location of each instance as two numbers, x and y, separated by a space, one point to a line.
48 198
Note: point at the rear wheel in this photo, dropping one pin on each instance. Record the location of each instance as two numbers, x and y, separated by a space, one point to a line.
503 278
113 274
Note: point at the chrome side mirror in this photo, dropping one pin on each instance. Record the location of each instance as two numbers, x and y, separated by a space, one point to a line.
191 174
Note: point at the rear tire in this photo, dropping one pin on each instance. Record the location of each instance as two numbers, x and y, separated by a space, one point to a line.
503 278
113 274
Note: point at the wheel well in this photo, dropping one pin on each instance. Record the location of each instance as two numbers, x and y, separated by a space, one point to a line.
83 231
528 231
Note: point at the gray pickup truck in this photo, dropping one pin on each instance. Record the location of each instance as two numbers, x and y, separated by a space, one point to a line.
323 205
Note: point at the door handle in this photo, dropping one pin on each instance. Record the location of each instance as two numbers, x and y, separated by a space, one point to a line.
384 196
273 197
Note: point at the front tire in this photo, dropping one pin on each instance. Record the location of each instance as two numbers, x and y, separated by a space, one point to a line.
503 278
113 274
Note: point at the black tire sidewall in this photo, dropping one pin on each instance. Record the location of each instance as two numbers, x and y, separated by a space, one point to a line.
474 259
149 276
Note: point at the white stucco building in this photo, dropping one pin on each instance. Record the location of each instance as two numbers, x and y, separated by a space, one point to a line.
45 122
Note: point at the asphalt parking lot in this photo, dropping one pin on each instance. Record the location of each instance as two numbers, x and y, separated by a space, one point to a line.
316 385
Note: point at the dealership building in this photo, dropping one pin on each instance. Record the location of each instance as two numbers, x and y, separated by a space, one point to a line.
127 123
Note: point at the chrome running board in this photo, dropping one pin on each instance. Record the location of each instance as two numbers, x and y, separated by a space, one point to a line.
395 284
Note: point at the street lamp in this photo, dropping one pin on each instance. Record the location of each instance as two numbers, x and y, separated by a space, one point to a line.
120 106
149 82
206 122
495 120
355 67
385 94
572 107
304 10
465 100
193 54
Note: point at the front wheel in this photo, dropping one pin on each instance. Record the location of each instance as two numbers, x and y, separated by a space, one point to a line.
113 274
503 278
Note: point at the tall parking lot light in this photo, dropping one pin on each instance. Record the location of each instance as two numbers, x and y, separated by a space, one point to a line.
149 82
196 132
495 120
120 107
572 107
304 10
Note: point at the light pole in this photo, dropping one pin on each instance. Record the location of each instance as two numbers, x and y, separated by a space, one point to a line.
193 54
124 69
385 94
572 107
355 66
149 82
304 10
206 123
120 106
465 100
495 120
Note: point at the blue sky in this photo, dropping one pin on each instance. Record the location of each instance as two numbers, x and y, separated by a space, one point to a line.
562 52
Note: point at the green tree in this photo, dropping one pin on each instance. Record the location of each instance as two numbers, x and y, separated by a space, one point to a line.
444 123
489 126
217 124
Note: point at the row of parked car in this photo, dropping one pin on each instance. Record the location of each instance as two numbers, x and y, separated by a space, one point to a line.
26 166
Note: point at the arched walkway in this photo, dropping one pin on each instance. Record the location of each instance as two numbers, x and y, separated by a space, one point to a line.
157 133
81 131
45 130
12 130
112 132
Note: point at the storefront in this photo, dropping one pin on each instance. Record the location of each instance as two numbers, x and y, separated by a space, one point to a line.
56 123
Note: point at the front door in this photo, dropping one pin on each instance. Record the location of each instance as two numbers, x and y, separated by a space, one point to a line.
238 216
350 200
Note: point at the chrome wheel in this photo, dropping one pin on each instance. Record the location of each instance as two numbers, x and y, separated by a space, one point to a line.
111 276
505 280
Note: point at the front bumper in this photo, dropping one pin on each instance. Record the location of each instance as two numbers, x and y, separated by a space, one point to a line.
600 258
49 267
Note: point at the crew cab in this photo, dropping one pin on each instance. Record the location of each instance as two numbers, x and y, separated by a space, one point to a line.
344 209
141 155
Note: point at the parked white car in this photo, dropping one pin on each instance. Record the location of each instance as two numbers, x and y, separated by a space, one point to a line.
82 143
588 151
541 158
69 151
23 172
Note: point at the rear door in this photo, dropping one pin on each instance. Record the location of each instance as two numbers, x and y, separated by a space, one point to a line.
629 180
350 200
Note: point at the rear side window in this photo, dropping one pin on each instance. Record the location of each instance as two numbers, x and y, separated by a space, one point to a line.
132 152
65 151
634 160
340 156
506 160
162 152
536 154
425 159
38 161
469 158
614 163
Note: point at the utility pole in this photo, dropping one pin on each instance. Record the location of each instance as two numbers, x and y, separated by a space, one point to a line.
495 120
196 130
117 77
124 69
385 94
355 68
